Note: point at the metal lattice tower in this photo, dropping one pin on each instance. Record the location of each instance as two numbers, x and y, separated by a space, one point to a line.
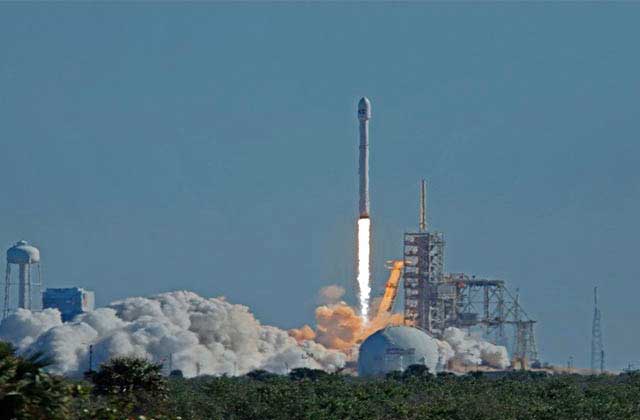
525 348
423 272
481 302
435 300
597 347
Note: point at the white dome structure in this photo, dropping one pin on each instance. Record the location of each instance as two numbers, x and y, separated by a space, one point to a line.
396 348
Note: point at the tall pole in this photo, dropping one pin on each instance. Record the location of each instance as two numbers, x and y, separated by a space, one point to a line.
423 206
90 357
597 347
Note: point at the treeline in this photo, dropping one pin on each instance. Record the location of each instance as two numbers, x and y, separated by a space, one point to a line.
128 388
414 394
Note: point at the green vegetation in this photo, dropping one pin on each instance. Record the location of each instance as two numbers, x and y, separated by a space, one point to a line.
131 378
409 395
27 392
128 388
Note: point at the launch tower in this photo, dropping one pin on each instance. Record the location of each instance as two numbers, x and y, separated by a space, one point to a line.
435 299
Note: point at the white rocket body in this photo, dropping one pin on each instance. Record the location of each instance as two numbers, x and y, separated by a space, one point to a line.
364 114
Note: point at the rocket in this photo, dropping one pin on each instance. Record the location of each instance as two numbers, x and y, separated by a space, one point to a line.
364 115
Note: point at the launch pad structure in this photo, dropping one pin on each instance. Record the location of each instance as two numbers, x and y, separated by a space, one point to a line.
435 300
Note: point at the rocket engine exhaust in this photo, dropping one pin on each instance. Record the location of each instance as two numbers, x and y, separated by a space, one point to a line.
364 258
364 222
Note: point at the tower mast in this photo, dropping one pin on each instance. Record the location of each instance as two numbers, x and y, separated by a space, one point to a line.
422 224
597 348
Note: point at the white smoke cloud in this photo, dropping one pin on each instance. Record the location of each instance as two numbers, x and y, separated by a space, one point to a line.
23 326
206 336
445 353
473 351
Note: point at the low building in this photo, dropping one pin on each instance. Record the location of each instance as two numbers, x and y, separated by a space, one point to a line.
70 301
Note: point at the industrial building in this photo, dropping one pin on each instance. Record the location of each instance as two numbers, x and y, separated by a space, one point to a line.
435 299
70 301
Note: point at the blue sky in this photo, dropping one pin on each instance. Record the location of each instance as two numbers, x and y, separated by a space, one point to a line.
213 147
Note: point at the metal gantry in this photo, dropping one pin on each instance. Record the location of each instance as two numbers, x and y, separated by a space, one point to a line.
435 300
423 272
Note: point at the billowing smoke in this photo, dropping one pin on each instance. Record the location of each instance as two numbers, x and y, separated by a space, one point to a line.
339 327
201 336
474 351
330 294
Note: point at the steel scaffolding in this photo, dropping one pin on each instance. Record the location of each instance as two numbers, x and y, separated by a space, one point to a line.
423 272
435 300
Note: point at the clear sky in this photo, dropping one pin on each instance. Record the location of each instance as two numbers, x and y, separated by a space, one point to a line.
213 147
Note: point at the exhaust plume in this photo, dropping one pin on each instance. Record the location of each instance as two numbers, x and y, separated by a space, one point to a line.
364 258
340 327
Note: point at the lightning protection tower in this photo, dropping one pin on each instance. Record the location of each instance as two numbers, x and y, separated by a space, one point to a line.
25 257
597 348
423 273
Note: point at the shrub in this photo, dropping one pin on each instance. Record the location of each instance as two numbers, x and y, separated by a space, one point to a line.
131 385
27 391
306 373
417 371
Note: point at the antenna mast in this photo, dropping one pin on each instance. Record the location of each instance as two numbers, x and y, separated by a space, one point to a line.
423 207
597 348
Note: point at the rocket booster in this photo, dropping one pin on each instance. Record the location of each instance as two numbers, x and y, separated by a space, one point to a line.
364 114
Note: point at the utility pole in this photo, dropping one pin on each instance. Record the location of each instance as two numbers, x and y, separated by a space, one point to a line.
597 348
90 357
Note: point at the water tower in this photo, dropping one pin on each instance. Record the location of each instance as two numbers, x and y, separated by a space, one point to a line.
25 257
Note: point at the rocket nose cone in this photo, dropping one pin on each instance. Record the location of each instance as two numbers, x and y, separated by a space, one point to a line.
364 109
